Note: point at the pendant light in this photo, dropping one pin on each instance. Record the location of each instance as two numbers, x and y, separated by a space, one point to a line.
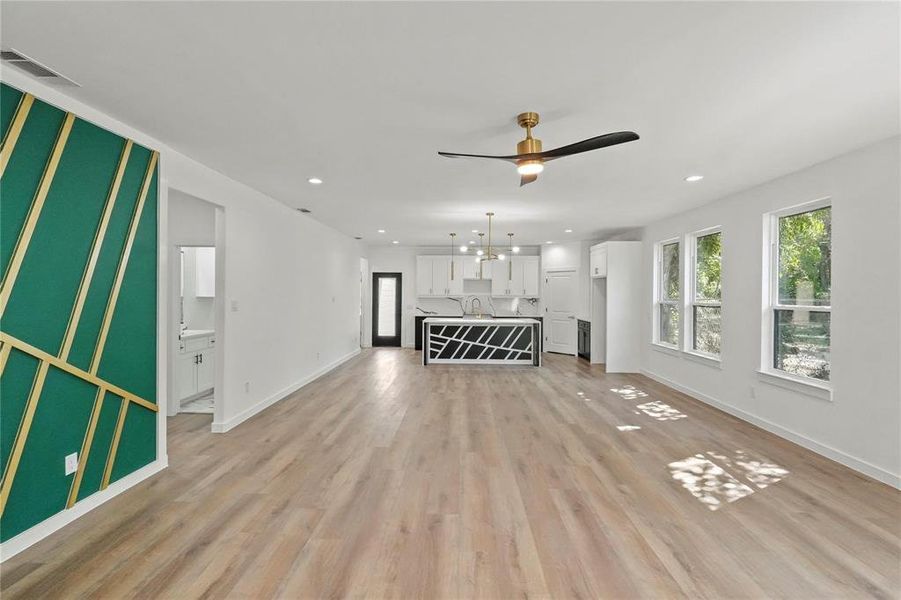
453 238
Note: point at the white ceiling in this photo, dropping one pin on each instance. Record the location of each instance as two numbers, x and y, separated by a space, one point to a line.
364 94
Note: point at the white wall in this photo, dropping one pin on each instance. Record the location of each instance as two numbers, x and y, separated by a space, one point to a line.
291 292
192 221
402 259
860 426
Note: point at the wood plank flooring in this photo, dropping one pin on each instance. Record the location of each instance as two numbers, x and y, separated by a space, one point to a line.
387 479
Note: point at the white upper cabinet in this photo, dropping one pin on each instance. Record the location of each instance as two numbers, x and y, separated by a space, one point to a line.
515 277
455 277
471 268
424 276
531 276
597 261
443 276
205 272
433 276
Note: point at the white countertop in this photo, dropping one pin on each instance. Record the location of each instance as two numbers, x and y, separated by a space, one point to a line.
193 333
475 321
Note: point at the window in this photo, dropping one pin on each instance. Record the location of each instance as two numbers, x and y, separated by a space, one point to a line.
800 290
668 298
704 324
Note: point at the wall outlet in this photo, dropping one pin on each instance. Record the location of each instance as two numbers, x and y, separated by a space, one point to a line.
317 356
71 463
235 305
246 387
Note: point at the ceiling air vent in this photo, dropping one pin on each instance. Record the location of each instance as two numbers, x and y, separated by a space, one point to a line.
33 67
305 211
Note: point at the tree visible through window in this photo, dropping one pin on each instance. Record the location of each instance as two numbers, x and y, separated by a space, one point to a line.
803 294
706 303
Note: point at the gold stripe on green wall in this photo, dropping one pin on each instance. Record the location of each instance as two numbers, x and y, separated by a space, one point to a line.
73 370
15 128
114 446
34 213
123 264
95 254
4 356
86 448
9 474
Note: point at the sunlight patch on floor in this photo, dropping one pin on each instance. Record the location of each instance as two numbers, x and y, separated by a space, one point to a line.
660 411
714 486
628 427
708 482
629 392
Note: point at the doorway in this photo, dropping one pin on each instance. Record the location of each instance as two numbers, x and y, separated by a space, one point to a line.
194 364
560 310
386 303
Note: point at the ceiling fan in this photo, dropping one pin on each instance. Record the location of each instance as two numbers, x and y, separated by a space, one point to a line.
529 159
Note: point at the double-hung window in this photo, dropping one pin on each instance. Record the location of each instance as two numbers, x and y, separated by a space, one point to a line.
704 323
667 301
800 292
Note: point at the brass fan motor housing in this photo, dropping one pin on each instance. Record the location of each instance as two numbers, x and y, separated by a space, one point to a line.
530 145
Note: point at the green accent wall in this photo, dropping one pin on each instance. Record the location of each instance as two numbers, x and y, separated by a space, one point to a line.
41 301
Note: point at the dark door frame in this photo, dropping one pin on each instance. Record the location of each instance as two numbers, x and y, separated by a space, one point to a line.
393 340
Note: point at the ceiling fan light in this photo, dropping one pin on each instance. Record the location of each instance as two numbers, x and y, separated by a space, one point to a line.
530 167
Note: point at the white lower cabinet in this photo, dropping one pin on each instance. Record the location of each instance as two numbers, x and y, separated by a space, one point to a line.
195 366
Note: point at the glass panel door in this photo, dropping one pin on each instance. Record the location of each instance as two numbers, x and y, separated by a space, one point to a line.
386 303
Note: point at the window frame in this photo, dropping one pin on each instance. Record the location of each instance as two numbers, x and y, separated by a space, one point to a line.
691 242
771 302
658 294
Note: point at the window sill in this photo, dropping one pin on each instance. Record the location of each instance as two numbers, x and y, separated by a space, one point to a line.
671 350
821 391
704 359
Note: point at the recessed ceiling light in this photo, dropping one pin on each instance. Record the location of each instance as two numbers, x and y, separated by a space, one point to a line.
515 249
381 231
567 231
475 230
395 242
471 242
693 178
549 242
464 248
314 180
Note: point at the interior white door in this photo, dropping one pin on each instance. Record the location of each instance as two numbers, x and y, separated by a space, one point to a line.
560 311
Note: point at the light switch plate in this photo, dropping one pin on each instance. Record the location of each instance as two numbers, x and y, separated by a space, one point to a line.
71 463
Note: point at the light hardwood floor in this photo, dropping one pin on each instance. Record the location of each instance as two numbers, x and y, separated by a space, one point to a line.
389 479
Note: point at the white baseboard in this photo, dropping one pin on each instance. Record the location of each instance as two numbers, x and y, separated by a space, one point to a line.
35 534
224 426
838 456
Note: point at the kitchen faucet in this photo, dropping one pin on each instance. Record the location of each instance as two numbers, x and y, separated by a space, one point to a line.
472 305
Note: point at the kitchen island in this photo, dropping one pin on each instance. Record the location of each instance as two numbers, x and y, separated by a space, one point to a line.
472 340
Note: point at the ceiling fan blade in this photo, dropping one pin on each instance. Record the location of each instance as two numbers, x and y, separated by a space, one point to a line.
595 143
512 158
526 179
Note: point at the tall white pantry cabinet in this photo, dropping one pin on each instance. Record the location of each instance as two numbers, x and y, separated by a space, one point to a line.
616 305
